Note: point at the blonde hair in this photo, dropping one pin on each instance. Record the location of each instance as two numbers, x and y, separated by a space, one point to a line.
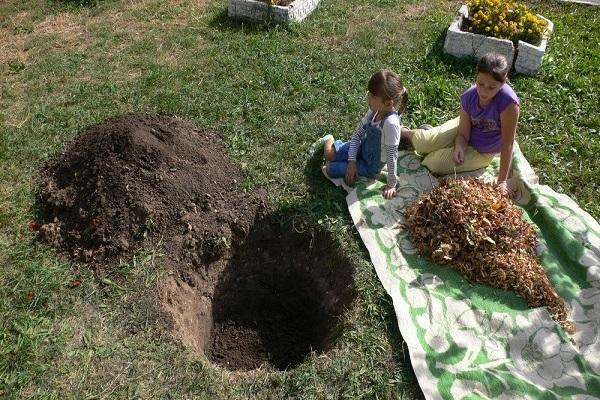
388 85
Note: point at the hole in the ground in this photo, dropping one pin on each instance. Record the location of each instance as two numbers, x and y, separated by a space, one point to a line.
279 298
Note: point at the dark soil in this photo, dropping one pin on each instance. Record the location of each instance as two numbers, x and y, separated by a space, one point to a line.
245 288
279 298
144 178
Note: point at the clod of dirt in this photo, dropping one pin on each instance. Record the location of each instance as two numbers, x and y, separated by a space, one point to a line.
141 178
468 225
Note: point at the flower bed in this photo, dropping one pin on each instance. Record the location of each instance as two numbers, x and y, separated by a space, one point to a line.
527 57
260 11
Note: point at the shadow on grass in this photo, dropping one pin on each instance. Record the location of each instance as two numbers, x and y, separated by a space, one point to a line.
324 198
460 66
464 66
327 199
78 3
223 22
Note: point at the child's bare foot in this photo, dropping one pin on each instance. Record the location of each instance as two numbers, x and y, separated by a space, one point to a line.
329 149
406 139
406 133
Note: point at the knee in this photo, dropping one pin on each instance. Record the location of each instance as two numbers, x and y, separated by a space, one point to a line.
335 169
329 149
437 164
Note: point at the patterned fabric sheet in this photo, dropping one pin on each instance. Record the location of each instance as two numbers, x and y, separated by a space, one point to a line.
469 341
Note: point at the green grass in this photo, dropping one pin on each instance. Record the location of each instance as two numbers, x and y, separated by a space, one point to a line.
271 90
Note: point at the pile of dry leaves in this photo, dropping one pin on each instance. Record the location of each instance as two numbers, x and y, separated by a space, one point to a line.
470 226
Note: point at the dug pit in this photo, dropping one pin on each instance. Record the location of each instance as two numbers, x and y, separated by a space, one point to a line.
274 298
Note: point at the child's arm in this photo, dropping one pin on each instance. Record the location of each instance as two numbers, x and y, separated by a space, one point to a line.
357 137
355 141
462 138
351 170
391 132
392 164
508 128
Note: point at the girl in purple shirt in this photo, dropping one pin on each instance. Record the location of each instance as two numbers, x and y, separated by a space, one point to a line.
487 125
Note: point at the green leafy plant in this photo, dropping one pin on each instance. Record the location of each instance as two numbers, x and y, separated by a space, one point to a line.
506 19
148 227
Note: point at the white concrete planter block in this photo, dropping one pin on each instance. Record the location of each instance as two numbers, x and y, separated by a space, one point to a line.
260 11
463 44
529 58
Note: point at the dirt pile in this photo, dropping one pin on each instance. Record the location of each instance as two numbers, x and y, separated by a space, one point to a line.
144 178
247 289
468 225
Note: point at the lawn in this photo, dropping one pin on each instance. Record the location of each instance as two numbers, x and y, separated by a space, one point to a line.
271 91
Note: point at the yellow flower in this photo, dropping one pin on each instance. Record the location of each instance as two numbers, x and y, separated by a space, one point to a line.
504 18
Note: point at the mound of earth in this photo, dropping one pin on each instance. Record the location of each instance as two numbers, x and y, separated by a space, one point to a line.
470 226
144 178
247 289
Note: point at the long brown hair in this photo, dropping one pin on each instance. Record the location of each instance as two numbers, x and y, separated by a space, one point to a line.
388 85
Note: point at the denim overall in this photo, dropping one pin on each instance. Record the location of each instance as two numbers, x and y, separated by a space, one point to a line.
368 158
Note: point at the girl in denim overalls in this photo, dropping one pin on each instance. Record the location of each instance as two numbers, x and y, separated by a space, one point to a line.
375 141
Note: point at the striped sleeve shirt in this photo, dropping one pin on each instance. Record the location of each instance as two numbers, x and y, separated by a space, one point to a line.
390 142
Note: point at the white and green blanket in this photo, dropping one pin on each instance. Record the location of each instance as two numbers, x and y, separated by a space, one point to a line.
469 341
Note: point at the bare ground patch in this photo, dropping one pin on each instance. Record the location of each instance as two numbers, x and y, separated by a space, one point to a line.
20 49
65 29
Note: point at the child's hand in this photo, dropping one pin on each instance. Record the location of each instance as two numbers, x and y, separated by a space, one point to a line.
505 189
388 192
351 173
459 155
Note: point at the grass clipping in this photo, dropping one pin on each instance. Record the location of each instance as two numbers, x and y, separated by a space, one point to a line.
470 226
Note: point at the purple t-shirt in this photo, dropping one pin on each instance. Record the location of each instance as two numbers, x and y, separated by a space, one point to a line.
485 122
